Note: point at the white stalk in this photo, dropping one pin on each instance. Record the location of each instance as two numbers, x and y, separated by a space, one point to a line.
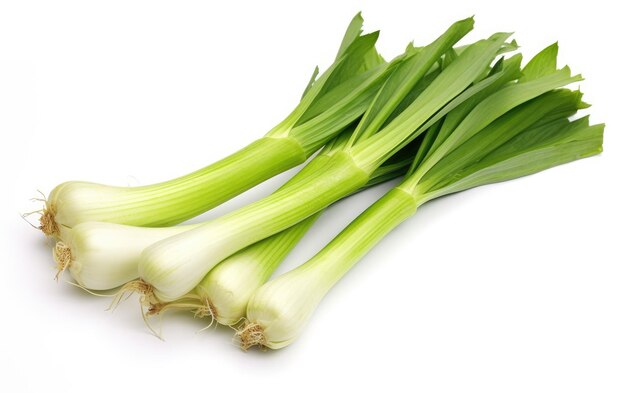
279 310
174 266
102 256
228 287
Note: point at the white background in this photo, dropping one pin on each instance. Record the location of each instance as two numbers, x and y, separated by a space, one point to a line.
514 287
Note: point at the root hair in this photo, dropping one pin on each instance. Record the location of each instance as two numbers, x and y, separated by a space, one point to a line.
206 310
62 255
47 221
145 291
250 334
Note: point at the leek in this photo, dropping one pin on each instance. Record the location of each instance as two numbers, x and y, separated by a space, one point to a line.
224 292
521 129
331 102
174 266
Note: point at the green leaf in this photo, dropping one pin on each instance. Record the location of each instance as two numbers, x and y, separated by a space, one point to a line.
426 143
505 48
316 71
544 63
488 110
372 59
354 30
413 94
353 99
451 82
355 51
509 70
537 149
352 61
329 99
462 103
554 105
558 131
405 76
448 58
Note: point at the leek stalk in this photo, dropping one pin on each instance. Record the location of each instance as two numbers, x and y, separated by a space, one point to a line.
519 130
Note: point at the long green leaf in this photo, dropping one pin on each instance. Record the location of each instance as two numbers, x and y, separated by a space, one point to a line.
557 104
356 50
508 70
405 76
545 149
451 82
489 110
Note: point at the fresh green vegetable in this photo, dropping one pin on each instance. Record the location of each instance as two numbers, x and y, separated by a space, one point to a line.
176 265
445 116
224 292
102 255
520 129
330 103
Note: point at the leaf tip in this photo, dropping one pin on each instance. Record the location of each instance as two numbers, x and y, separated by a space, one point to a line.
358 18
583 105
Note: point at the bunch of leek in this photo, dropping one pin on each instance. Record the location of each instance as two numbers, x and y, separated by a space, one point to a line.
102 255
224 292
521 129
174 266
444 116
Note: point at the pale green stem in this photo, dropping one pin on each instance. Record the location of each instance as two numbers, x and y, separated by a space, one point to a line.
281 308
176 265
179 199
